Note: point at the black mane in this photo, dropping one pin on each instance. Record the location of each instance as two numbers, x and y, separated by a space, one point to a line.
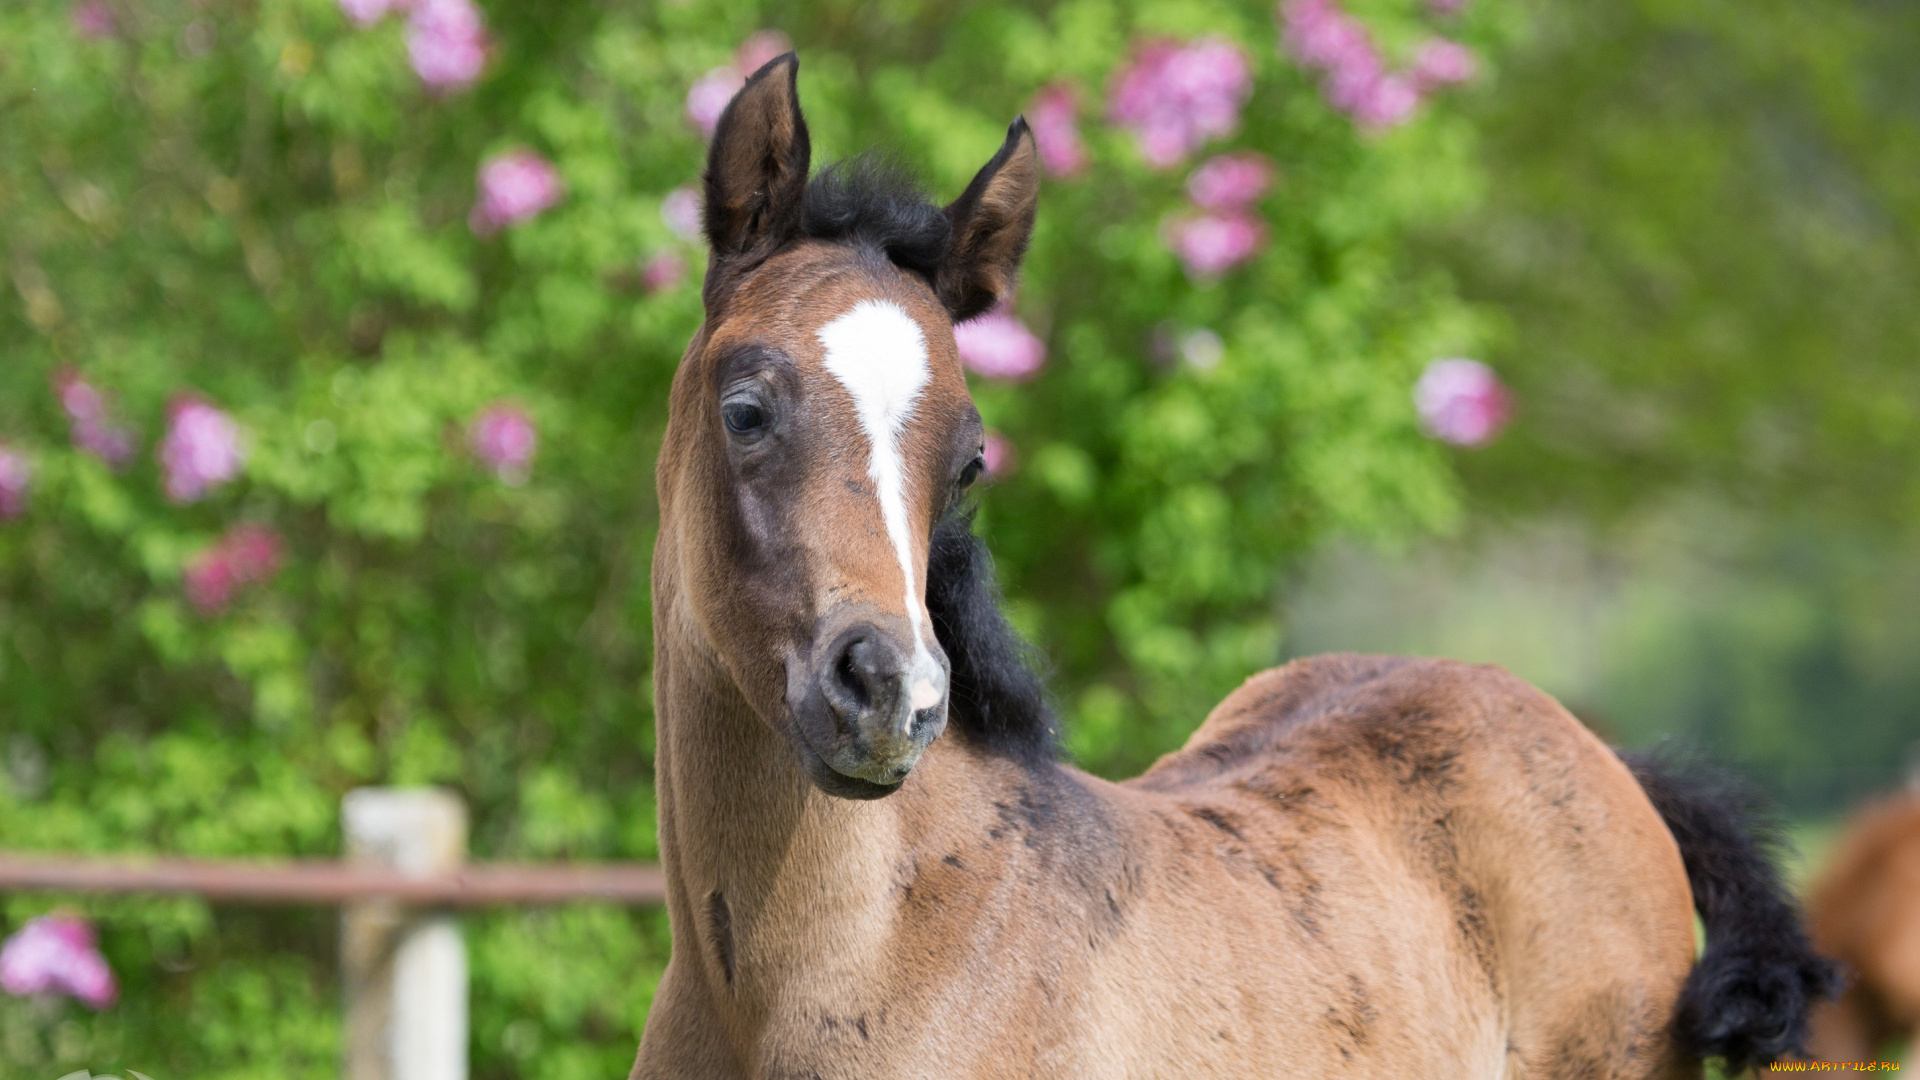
873 201
995 699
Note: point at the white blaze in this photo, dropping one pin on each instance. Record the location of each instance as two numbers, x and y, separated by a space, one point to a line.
879 354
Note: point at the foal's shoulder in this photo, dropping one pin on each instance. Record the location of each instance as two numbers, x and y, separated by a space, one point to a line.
1321 703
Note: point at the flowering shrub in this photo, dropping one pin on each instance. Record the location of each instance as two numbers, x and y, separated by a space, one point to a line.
201 451
681 211
446 39
1319 34
1175 97
514 186
1055 119
16 476
93 430
447 42
1461 402
665 270
1440 62
1211 244
1000 455
55 954
246 555
503 438
999 346
1230 182
708 96
94 19
278 520
368 12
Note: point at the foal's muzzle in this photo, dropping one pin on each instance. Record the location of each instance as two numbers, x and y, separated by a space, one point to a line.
870 705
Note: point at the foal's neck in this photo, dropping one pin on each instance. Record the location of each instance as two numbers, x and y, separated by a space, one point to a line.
774 883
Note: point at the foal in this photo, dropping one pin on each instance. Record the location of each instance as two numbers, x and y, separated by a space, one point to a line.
876 867
1865 910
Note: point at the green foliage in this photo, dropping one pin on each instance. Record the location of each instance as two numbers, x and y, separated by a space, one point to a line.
1703 221
259 204
1702 231
1790 650
1785 650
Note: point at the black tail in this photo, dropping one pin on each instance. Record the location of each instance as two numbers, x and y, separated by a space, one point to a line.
1747 998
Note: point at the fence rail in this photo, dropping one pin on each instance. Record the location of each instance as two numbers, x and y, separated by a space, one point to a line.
403 963
330 882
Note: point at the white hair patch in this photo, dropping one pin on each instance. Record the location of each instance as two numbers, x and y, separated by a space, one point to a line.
879 353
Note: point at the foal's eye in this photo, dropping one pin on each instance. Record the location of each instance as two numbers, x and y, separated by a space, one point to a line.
743 418
973 470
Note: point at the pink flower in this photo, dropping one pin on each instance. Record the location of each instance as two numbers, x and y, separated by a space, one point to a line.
93 19
1175 97
663 272
999 346
761 48
367 12
1057 131
1440 62
1211 244
1001 455
209 582
245 555
1230 182
1461 402
504 439
447 42
201 449
681 211
1348 85
707 98
514 186
56 954
1387 102
1319 34
92 428
16 477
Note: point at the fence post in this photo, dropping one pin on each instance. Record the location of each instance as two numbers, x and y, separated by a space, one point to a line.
404 970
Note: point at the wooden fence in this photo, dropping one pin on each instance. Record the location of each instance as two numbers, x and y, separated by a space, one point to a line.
403 962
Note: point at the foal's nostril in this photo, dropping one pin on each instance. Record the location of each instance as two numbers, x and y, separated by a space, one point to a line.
855 677
864 678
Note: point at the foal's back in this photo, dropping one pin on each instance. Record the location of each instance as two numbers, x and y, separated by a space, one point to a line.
1431 863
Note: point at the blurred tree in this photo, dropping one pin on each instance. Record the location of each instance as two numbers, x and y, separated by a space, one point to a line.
1702 232
397 288
1703 226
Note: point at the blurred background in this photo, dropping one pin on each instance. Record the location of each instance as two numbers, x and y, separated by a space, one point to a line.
1569 335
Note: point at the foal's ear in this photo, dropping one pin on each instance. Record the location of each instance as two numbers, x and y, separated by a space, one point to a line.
756 178
992 221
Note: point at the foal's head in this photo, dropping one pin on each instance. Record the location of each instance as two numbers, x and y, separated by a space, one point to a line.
820 427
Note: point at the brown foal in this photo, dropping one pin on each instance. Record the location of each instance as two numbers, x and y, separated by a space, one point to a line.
1865 911
877 867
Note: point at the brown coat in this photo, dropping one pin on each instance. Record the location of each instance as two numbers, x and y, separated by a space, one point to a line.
1359 866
